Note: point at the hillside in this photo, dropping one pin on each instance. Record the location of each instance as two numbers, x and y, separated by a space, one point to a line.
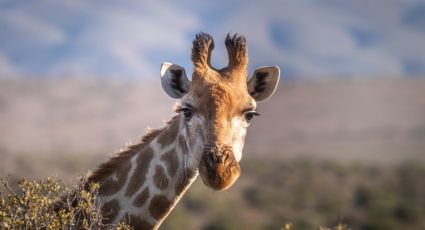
361 119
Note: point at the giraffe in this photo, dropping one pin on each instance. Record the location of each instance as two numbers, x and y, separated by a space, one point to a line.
142 184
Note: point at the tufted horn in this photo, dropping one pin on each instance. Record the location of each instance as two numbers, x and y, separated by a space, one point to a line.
203 44
237 51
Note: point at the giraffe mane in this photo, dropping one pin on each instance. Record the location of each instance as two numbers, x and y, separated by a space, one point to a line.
107 168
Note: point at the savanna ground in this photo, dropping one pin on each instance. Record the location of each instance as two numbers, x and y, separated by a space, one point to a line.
322 153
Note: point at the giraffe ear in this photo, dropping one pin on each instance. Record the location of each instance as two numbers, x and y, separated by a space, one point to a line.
174 80
264 82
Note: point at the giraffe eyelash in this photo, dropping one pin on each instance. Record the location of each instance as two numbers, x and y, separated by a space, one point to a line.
178 109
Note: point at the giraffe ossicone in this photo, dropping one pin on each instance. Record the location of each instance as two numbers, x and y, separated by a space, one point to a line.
142 184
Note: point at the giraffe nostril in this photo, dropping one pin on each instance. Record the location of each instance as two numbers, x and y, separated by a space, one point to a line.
218 167
213 156
216 158
227 155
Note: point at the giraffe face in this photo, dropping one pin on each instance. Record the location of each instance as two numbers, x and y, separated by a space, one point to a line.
216 108
216 115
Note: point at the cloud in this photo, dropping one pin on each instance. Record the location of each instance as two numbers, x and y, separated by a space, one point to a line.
131 39
319 39
20 23
113 39
311 40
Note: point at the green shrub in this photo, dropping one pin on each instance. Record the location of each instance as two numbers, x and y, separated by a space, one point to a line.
33 205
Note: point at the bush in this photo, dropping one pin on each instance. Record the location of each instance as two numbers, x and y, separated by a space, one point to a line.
34 205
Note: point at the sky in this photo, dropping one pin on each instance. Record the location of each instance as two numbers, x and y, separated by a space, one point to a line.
130 39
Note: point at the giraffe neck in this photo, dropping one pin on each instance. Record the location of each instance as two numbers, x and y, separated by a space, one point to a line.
146 182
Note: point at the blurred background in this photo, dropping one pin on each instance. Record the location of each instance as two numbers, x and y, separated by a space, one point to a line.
342 140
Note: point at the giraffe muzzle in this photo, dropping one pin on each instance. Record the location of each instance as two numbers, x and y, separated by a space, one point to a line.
218 167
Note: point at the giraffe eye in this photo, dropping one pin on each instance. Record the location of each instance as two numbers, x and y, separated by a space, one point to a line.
249 115
187 113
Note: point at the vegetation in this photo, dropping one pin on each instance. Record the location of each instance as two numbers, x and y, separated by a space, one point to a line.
271 194
30 207
308 194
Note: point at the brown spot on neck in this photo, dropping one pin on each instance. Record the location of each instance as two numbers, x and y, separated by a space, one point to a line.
160 179
141 198
111 186
159 206
171 161
109 211
139 175
169 134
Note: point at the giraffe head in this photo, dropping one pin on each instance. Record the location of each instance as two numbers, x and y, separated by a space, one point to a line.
217 106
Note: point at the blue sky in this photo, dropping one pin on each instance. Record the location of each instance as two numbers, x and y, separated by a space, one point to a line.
130 39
